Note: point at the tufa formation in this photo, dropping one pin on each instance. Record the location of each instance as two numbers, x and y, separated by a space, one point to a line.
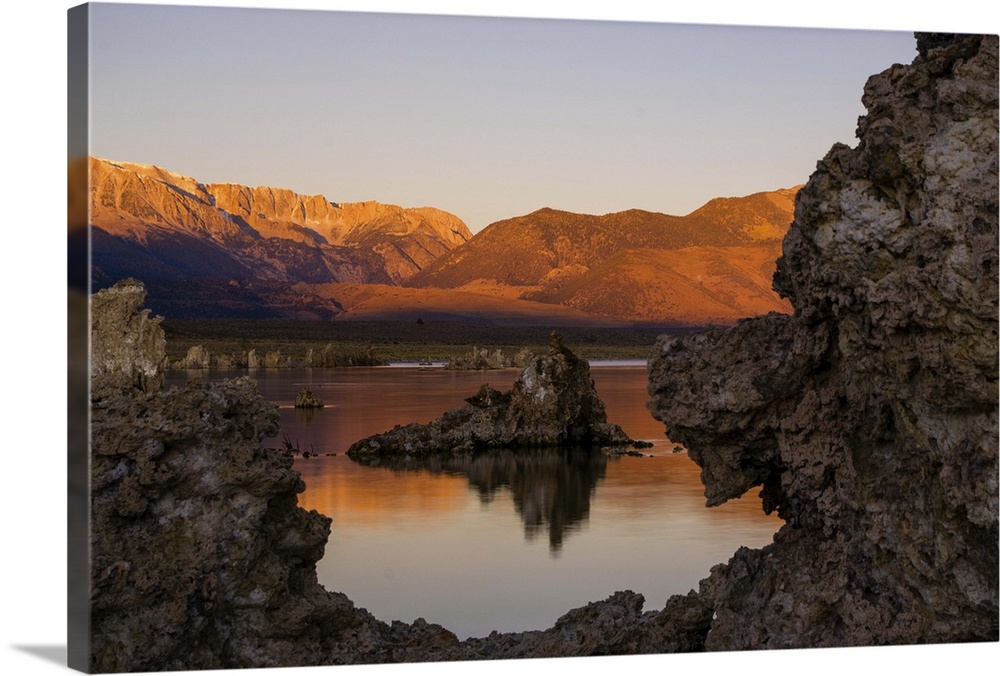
869 418
553 403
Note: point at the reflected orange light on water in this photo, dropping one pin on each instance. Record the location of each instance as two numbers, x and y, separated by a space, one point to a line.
505 541
356 495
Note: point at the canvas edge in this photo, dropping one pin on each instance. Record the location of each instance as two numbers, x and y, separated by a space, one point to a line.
78 332
78 629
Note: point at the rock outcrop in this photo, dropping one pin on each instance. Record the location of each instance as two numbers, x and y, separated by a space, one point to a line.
484 359
869 418
553 403
128 348
198 357
200 557
306 399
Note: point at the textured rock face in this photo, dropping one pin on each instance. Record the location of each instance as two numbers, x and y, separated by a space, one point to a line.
306 399
869 419
199 556
553 403
128 347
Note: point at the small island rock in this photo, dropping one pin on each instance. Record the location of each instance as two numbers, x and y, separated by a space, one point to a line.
553 403
306 399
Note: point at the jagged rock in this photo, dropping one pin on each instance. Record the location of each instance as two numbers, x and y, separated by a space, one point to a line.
199 556
128 347
553 403
478 359
306 399
190 519
274 360
197 357
869 419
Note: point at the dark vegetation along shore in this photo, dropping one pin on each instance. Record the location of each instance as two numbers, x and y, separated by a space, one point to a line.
226 343
868 420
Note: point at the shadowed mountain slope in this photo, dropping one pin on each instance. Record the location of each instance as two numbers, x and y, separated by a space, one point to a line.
155 224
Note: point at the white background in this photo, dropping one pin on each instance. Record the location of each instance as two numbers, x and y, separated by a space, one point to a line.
33 329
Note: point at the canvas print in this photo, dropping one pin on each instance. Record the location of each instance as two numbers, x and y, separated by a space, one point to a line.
436 338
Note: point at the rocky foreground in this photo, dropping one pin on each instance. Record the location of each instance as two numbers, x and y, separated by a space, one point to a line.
868 419
200 556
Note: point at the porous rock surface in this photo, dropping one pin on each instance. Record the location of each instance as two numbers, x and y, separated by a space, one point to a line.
553 403
306 399
128 347
200 557
869 418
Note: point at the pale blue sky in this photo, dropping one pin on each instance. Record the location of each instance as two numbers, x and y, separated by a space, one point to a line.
488 118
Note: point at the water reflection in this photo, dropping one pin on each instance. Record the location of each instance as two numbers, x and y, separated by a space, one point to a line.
551 489
305 415
444 541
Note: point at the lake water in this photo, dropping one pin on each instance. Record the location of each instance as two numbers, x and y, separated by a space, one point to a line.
505 542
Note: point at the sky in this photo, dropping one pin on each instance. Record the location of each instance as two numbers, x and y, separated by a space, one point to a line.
487 118
33 505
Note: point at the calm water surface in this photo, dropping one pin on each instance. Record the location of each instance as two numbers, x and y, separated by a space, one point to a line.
505 542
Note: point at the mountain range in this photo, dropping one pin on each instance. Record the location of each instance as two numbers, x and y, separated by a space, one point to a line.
714 265
225 250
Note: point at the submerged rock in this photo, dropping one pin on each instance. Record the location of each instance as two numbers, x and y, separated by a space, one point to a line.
869 418
553 403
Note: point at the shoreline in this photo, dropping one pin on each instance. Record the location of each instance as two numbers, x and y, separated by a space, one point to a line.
401 364
397 341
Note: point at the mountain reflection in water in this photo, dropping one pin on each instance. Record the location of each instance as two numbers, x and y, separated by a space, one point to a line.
551 489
